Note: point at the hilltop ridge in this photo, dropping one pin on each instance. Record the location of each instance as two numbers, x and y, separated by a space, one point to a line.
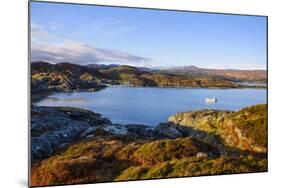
68 77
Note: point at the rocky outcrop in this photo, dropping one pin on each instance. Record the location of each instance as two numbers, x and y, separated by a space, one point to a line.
172 131
245 129
53 128
80 146
71 140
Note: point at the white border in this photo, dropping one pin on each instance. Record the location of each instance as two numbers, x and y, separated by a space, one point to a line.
13 72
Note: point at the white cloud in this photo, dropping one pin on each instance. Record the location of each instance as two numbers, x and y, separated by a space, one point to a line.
80 53
48 47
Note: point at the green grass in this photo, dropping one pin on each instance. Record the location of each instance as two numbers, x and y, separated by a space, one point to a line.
194 166
165 150
253 122
107 158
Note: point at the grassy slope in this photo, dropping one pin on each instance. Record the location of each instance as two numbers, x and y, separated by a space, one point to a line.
245 129
109 158
67 76
112 158
253 123
194 166
131 75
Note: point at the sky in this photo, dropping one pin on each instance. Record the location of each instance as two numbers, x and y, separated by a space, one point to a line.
84 34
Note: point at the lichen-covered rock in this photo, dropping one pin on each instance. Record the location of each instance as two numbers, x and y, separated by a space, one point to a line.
206 120
245 129
56 127
53 127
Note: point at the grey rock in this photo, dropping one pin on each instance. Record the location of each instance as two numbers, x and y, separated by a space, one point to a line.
201 155
116 129
166 130
51 128
140 131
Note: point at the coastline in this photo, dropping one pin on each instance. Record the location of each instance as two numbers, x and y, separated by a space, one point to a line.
175 125
39 96
72 136
60 132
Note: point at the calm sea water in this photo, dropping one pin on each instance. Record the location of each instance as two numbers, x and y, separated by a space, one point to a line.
150 106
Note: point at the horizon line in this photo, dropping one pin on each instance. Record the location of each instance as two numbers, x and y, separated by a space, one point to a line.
155 67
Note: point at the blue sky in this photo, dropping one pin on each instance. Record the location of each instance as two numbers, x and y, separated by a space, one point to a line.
141 37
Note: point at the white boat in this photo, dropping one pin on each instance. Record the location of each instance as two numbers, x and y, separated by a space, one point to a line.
211 100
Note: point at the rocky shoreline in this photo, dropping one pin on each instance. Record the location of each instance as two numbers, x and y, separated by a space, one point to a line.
62 77
72 145
56 127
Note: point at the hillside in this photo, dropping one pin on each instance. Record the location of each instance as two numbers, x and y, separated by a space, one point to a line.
101 66
245 129
48 77
191 144
256 76
140 77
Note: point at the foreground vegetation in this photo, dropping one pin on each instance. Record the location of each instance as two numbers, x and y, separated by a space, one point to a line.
111 157
245 129
108 159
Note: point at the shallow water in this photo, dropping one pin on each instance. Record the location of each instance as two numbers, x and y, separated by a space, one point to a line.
150 106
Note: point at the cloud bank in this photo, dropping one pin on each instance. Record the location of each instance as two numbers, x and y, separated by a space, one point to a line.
50 48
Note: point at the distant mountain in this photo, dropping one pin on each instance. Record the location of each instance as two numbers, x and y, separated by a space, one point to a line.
225 74
135 76
67 77
104 67
101 66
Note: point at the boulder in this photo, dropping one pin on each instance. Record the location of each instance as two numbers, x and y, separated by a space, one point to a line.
168 131
51 128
